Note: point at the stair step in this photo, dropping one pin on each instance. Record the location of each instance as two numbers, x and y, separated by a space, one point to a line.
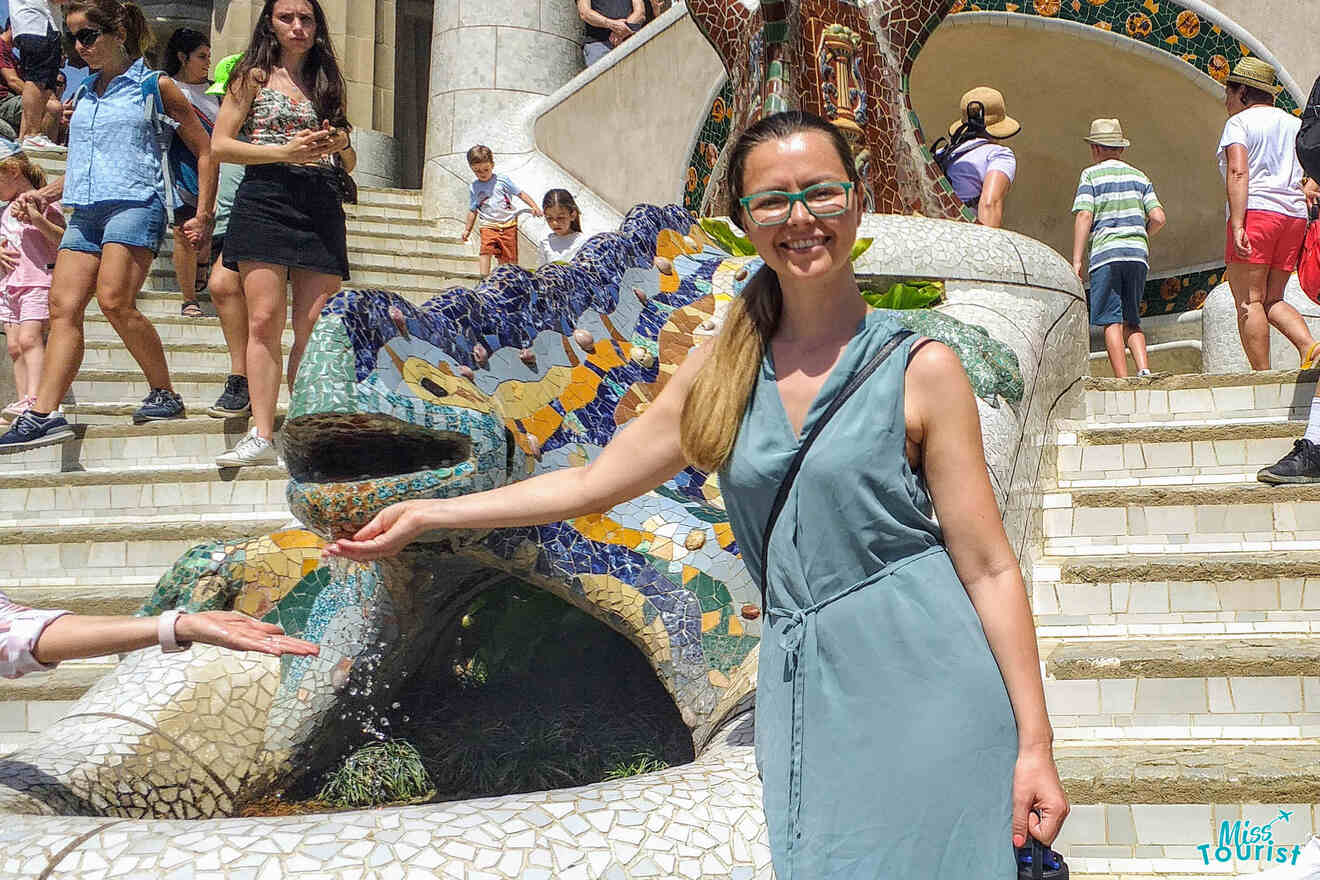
1237 515
1294 655
104 354
421 280
89 598
105 440
68 681
1275 394
383 238
1145 452
199 389
144 491
96 549
170 325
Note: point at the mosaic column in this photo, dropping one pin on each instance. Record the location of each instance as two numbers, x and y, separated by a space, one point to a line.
363 32
491 64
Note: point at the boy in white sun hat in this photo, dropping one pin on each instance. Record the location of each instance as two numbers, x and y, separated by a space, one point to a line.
1116 212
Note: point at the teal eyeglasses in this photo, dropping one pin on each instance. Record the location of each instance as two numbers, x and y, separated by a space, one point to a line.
773 207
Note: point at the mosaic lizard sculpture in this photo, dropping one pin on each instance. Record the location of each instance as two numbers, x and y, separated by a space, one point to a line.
472 390
846 60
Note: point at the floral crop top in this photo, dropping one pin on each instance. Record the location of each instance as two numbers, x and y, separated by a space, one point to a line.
275 118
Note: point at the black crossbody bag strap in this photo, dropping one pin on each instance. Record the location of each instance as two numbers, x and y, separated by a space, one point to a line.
839 399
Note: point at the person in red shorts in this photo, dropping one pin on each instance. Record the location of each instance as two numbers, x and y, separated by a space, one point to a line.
490 200
1266 211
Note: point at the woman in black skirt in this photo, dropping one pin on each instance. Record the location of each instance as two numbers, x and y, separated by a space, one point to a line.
284 117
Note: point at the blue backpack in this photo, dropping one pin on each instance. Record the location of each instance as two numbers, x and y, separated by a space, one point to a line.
178 163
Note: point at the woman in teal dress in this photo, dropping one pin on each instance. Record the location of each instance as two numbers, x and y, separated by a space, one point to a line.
900 722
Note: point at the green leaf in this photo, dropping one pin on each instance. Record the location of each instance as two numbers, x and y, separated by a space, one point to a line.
722 232
861 246
906 295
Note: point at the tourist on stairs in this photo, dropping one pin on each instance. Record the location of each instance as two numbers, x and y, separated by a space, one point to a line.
980 167
188 62
1266 212
286 101
37 641
115 185
224 284
900 714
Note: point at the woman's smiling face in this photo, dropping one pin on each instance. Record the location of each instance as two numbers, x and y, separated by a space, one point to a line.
804 246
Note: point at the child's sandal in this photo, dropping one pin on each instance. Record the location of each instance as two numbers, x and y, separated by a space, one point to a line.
1309 362
191 309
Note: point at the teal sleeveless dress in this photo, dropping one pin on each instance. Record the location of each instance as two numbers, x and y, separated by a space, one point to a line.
884 734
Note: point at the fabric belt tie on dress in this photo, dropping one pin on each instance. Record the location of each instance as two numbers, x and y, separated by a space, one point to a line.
791 641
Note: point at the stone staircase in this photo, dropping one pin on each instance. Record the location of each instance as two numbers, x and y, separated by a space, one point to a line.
91 524
1177 603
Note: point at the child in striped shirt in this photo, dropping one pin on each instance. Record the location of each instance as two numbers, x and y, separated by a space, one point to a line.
1116 213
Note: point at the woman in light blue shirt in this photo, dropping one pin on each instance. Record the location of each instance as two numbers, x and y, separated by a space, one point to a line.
114 183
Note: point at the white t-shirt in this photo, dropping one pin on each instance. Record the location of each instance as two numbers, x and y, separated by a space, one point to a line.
196 93
1274 177
34 17
560 248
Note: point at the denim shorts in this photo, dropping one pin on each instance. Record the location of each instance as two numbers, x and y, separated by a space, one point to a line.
128 223
1116 292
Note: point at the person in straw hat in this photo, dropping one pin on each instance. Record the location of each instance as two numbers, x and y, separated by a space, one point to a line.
1116 212
982 169
1266 211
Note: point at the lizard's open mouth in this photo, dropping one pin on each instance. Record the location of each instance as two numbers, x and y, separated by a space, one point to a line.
349 447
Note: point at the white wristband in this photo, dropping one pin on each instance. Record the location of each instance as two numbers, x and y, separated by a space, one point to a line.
169 644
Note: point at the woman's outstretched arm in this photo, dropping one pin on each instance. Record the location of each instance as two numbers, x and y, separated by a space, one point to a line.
640 457
945 428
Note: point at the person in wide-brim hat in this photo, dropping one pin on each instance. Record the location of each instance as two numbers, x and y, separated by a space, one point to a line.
1257 74
980 168
998 124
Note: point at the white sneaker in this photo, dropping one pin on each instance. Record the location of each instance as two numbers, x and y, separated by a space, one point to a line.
39 143
253 449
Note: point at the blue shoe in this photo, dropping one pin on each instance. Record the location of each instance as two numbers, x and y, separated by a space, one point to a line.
159 406
29 431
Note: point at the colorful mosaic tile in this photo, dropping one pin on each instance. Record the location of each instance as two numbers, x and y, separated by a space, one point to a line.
711 138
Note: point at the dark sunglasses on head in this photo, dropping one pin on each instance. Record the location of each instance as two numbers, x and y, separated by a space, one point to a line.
87 36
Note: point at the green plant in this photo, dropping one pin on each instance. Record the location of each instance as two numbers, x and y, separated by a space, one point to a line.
641 762
378 773
905 295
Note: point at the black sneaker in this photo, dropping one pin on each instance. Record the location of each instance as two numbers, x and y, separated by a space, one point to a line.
1302 465
30 431
234 401
158 406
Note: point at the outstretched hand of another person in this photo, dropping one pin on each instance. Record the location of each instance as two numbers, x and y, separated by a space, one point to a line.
238 632
390 531
1037 790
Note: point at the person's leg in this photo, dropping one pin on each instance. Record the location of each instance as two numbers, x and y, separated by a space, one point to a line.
1133 287
1283 317
1135 340
1248 283
185 270
265 291
16 355
34 109
32 341
123 271
227 297
71 289
1114 347
310 292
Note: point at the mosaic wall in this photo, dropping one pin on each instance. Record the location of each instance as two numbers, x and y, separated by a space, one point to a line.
711 138
1166 26
846 61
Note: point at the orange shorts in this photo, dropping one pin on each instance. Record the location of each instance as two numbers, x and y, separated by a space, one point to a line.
1276 240
501 242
